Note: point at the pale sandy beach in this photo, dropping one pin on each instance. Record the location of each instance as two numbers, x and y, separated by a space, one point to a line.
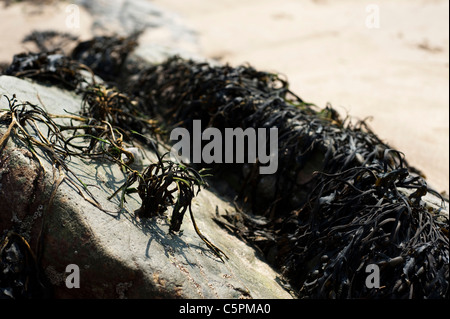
397 73
394 69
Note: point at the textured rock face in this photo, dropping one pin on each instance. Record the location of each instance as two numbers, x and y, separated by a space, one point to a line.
118 257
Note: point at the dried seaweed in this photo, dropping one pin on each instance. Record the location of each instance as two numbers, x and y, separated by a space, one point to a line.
85 137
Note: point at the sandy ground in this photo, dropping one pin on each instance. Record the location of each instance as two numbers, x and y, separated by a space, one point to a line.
331 51
17 21
396 71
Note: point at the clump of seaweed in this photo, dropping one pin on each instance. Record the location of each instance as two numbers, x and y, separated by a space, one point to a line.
20 276
338 200
50 40
243 97
364 216
101 102
84 137
158 184
52 66
158 181
36 129
106 55
120 110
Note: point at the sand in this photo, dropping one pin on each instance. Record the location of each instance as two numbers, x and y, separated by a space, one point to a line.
18 20
396 72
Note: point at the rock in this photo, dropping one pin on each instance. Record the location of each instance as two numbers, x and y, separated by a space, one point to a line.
118 257
163 32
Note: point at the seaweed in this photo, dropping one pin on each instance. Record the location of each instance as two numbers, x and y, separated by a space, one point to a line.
339 200
240 97
3 67
120 110
20 274
52 66
36 129
106 55
84 137
50 40
364 216
158 184
107 122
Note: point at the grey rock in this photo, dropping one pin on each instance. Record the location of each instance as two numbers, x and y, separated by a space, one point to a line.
118 257
162 31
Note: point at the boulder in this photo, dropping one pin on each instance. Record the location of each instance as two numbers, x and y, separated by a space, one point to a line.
117 254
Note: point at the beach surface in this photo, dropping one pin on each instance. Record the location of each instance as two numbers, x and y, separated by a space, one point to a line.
383 60
387 61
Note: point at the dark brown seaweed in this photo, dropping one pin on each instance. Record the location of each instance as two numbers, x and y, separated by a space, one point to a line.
342 198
